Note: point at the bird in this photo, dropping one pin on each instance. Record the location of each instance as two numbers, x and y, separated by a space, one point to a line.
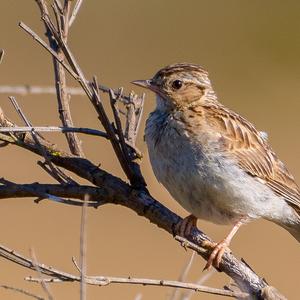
212 161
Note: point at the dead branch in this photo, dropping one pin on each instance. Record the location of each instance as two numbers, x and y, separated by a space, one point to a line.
57 276
88 131
119 192
24 90
106 188
21 291
63 98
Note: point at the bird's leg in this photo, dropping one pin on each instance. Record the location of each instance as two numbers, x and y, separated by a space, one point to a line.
219 248
184 227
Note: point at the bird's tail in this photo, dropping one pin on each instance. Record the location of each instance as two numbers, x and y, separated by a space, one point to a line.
294 230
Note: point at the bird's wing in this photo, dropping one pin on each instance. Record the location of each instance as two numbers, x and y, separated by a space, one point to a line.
253 153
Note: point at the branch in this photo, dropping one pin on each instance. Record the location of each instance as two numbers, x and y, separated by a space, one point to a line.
96 195
21 291
83 247
84 130
92 92
53 171
61 276
88 131
133 195
37 90
63 98
119 192
75 12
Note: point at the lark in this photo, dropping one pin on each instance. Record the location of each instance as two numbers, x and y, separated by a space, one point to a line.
214 162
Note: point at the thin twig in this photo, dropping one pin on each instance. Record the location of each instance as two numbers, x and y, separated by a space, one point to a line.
57 174
118 192
84 130
21 291
96 100
44 45
60 276
134 112
39 271
63 98
105 280
187 295
37 90
75 12
134 176
121 193
58 192
74 91
119 131
183 275
83 247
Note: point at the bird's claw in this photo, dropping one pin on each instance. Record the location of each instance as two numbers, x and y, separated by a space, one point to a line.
216 255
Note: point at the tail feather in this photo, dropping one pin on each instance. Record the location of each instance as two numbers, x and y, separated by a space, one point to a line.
294 230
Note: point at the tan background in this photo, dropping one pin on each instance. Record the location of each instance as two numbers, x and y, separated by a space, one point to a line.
251 49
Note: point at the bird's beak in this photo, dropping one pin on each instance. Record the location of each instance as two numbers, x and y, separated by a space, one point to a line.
143 83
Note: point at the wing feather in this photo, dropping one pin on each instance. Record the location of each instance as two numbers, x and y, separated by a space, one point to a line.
253 153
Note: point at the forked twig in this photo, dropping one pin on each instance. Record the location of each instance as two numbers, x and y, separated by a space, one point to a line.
112 189
63 98
133 174
56 173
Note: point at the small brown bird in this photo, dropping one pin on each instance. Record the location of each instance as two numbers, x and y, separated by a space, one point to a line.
213 161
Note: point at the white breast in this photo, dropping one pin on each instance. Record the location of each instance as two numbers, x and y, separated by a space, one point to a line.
205 183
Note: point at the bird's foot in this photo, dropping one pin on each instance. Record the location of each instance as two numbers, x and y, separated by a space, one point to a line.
217 253
184 227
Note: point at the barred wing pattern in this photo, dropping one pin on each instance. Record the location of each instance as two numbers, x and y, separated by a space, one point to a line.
253 153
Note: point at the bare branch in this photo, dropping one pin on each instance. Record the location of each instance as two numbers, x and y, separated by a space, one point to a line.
118 192
83 246
187 295
97 196
43 282
61 276
88 131
44 45
74 91
134 176
63 98
106 280
133 195
56 173
75 12
134 107
37 90
183 275
21 291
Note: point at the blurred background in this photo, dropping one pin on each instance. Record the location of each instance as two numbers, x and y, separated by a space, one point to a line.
251 49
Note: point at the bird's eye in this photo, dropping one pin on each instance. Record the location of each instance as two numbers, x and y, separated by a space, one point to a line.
177 84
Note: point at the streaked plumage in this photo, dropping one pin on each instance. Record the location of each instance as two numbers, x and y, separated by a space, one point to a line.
211 160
